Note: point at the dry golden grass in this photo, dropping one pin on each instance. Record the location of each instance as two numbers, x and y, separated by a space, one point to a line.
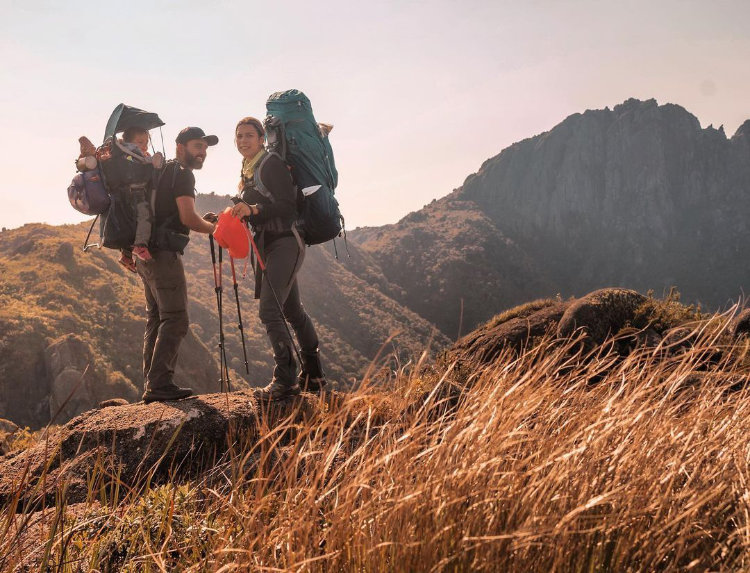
540 462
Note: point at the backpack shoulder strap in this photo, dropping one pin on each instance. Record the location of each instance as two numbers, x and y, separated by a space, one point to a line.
157 180
258 181
176 168
163 171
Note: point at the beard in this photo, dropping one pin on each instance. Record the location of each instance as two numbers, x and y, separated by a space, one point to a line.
193 161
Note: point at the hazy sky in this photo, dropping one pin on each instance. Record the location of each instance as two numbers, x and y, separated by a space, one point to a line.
420 93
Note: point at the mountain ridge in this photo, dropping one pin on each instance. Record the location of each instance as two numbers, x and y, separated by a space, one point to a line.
638 196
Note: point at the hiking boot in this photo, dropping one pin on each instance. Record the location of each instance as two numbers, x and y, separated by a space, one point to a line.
277 390
310 384
166 394
311 378
127 261
142 253
283 382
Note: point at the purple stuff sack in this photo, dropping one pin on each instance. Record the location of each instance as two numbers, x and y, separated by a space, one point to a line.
87 193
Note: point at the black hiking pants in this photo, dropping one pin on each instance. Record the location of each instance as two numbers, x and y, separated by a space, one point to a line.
284 258
166 316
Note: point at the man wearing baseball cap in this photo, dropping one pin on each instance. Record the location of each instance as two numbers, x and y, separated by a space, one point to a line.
164 276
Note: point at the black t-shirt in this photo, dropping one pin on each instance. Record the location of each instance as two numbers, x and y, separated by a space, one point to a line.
176 181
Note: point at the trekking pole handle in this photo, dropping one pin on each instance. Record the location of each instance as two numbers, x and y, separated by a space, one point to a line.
213 249
213 262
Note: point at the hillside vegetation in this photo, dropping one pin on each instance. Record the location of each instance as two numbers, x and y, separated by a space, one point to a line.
71 323
555 455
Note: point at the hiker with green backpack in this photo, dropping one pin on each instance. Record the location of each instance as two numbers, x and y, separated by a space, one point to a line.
286 195
283 252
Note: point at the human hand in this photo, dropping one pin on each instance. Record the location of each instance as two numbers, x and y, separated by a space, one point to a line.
157 160
243 210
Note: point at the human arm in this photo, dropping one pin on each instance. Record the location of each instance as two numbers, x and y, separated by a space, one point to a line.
276 178
190 217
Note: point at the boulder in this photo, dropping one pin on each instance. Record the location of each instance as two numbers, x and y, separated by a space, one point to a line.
113 402
139 439
740 325
599 314
7 427
485 344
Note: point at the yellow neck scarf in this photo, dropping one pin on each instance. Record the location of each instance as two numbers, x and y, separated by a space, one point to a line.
248 165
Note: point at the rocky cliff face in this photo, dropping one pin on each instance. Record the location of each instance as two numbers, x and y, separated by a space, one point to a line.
638 196
75 383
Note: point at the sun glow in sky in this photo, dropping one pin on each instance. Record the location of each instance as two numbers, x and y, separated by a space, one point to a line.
420 93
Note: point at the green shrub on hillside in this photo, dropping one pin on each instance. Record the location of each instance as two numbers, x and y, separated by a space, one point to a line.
666 313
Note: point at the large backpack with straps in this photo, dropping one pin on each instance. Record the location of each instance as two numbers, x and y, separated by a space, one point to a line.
120 169
302 142
125 172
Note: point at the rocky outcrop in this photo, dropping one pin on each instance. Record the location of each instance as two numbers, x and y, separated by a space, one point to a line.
638 196
76 383
599 314
171 440
623 319
486 344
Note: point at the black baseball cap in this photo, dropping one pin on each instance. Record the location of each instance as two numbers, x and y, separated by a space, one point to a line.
190 133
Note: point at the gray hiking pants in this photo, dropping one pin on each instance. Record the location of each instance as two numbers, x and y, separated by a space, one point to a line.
166 316
284 258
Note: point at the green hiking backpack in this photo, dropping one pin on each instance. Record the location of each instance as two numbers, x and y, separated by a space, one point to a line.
302 142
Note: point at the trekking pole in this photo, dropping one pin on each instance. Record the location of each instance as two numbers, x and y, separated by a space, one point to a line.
239 314
217 290
221 325
262 266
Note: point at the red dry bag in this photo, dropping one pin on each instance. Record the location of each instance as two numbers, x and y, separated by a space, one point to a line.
231 234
